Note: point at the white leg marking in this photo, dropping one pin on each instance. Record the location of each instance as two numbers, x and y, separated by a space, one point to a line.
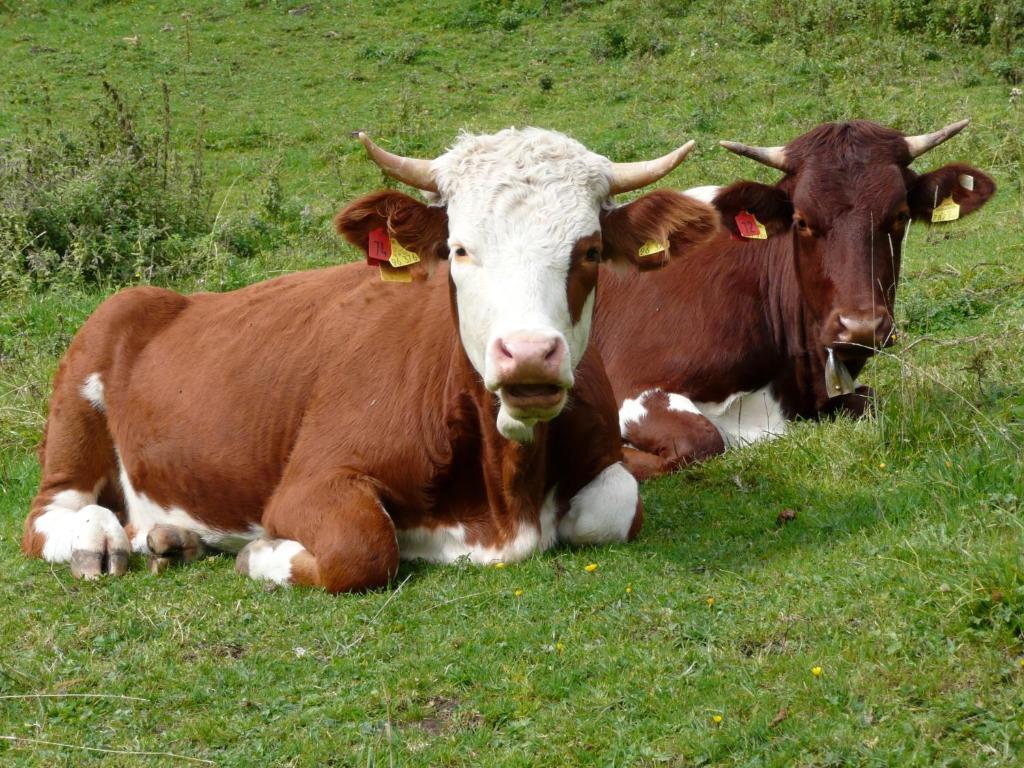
603 510
447 543
59 522
271 560
96 526
92 390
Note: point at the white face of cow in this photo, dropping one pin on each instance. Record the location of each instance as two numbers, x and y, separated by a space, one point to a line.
519 204
524 217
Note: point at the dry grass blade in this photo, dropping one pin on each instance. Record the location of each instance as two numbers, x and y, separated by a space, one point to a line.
19 741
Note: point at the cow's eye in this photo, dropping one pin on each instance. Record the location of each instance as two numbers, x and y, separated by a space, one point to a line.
801 223
593 255
460 251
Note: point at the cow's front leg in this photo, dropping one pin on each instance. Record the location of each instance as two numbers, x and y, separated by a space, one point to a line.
856 404
606 510
333 534
667 432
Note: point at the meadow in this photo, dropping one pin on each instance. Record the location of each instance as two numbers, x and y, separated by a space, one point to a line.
206 145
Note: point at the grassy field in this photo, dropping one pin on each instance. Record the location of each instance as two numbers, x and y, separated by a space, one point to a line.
883 626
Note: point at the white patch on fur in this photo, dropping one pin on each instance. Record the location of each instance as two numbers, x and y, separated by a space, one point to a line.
746 417
682 404
517 201
511 428
272 560
603 510
447 543
59 522
144 513
705 194
92 390
633 411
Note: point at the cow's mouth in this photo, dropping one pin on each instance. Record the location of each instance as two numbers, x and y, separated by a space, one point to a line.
533 399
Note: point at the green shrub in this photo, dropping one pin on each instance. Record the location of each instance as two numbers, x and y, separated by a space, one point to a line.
107 204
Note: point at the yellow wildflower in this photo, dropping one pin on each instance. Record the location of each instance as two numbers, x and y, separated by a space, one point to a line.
559 647
518 593
881 465
816 671
716 719
629 589
591 568
710 601
499 565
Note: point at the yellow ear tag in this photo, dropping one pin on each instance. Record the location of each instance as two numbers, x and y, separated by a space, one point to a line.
400 257
650 248
393 275
947 210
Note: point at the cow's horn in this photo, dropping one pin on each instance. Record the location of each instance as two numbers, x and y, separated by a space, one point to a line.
918 145
773 157
413 171
625 177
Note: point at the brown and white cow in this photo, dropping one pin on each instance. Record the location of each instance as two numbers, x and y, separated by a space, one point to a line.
725 345
331 423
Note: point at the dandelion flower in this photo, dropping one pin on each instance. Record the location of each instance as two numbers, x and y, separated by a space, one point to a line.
716 719
499 565
881 465
629 589
710 601
559 647
816 671
518 593
591 568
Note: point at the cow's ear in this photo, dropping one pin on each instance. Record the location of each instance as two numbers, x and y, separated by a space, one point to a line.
651 229
420 228
969 188
769 205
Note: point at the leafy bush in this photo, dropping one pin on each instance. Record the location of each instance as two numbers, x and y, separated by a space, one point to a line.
109 204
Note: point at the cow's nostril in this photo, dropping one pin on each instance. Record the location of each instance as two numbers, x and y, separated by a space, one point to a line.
552 349
504 351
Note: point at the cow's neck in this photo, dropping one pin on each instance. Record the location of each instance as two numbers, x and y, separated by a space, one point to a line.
796 332
510 475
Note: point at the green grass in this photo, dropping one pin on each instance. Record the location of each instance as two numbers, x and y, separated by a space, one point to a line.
902 576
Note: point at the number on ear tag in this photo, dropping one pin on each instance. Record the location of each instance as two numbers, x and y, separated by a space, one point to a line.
401 257
650 248
378 247
947 210
750 227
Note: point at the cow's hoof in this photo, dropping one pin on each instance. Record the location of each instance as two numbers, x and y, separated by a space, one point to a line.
100 544
170 544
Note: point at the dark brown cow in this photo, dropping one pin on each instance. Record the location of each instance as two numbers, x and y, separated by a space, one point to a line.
724 346
332 423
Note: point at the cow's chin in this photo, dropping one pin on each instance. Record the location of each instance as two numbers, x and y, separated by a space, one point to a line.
522 406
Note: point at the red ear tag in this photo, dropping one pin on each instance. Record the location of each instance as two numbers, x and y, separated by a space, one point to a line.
749 226
378 248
